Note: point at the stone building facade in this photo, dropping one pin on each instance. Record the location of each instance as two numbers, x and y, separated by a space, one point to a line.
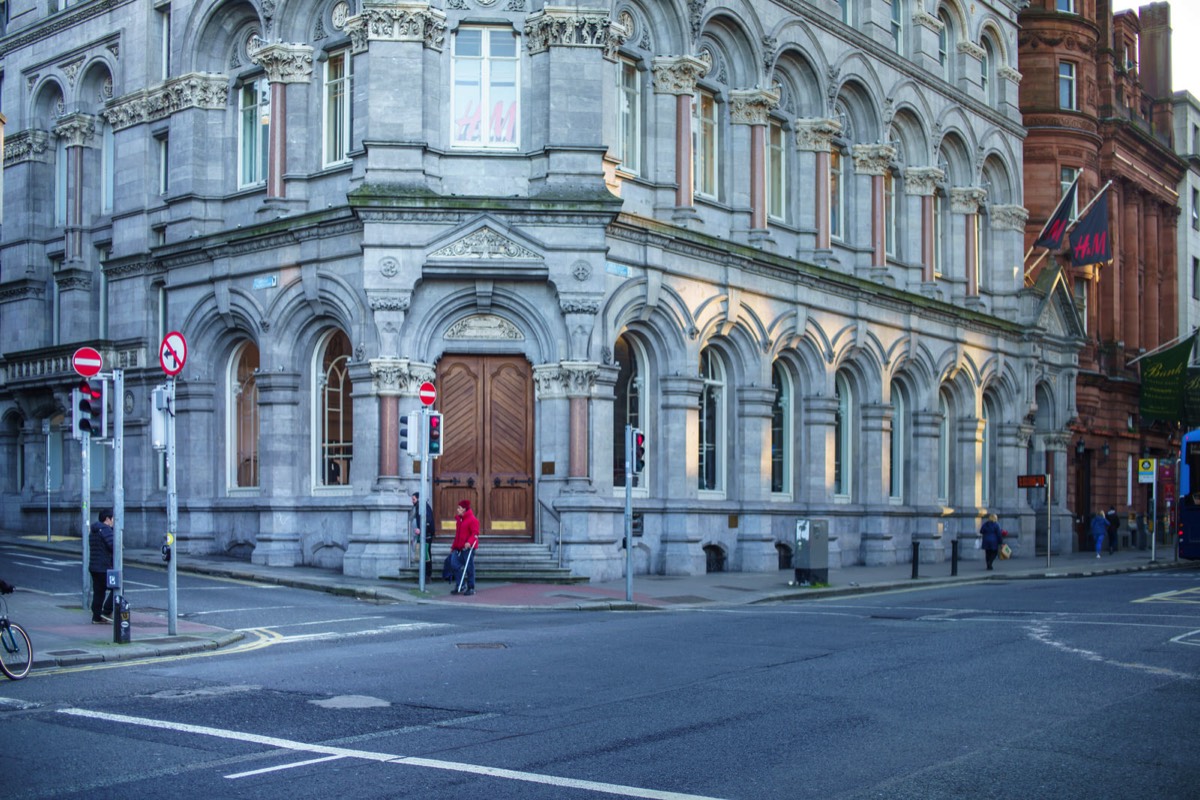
1097 102
782 238
1187 146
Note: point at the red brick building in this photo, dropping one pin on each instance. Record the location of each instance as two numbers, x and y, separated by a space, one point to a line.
1096 98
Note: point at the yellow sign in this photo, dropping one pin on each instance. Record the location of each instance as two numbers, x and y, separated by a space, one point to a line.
1146 470
170 538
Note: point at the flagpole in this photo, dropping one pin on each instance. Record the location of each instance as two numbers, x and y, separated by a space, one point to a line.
1053 214
1067 232
1162 347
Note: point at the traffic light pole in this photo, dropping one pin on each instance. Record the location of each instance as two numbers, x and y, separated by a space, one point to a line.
424 494
629 513
85 502
172 511
118 445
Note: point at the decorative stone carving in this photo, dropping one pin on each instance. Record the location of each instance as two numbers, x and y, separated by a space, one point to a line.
25 146
751 106
922 181
396 22
816 135
577 305
194 90
924 19
966 199
76 129
557 26
1009 218
387 374
71 70
339 14
1008 73
677 74
484 243
285 63
389 301
484 327
581 270
971 49
389 267
565 379
872 159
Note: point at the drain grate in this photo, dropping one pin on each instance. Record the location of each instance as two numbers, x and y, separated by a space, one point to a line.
65 652
481 646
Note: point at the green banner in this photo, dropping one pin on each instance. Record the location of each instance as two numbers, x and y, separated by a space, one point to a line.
1191 399
1164 378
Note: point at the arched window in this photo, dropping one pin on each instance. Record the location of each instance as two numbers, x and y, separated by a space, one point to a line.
60 181
243 417
629 407
898 450
777 169
254 129
843 455
944 449
711 466
781 431
335 411
945 42
898 26
107 168
989 449
987 67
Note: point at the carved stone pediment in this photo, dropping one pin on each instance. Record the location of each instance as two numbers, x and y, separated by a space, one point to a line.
486 248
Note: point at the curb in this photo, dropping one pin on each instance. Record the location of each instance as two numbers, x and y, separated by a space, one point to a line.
139 650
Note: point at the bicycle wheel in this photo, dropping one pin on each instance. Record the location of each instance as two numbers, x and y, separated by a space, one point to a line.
16 652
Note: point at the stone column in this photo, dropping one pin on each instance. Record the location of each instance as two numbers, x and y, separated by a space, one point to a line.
278 542
968 463
875 160
1008 236
925 429
816 136
1131 258
575 382
966 200
753 107
284 64
196 421
752 476
923 182
1153 269
878 545
677 75
78 130
680 424
386 374
1171 279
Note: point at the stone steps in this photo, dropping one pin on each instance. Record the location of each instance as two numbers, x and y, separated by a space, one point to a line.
504 561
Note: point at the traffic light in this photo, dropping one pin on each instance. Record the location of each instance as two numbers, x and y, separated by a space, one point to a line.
639 450
410 434
88 412
435 434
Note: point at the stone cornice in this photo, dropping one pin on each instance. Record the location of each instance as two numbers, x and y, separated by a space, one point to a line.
751 106
285 63
1008 73
76 129
924 19
922 181
25 146
872 159
815 135
396 22
204 90
971 49
678 74
60 22
558 26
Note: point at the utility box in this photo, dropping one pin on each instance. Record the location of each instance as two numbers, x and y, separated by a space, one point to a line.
810 559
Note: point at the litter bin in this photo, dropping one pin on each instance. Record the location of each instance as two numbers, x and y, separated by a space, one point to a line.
810 559
121 629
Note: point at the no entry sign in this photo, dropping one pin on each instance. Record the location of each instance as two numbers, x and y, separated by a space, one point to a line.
427 393
87 361
172 353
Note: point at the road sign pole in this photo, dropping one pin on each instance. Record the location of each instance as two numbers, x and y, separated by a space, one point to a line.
1154 517
85 501
628 513
46 431
424 493
172 512
118 445
1049 516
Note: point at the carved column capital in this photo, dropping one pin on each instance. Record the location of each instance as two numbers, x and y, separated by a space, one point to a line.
922 181
1009 218
382 21
872 159
565 379
77 129
559 26
751 106
816 135
678 74
966 199
398 376
285 63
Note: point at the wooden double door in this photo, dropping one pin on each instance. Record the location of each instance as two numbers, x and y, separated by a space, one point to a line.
487 444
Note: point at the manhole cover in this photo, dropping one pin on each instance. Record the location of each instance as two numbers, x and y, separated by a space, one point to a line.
481 645
65 652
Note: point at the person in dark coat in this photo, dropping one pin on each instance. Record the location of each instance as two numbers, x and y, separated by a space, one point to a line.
100 561
416 527
990 536
1114 522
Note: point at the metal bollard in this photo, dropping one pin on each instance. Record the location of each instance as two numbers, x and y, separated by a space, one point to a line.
916 558
953 558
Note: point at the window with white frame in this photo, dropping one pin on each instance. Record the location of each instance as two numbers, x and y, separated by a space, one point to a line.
1080 294
781 431
898 447
335 411
777 169
898 26
242 415
708 146
629 408
1066 86
837 194
338 75
890 213
164 39
485 107
254 130
164 164
1195 209
1065 6
847 9
629 115
945 39
711 465
843 436
989 449
944 449
1066 177
1195 278
986 65
60 181
939 231
107 168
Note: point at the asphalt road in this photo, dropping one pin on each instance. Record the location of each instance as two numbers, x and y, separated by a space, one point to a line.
1065 688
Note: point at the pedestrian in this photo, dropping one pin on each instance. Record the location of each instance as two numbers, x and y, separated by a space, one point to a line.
990 536
466 540
416 529
6 587
1114 522
1099 529
100 561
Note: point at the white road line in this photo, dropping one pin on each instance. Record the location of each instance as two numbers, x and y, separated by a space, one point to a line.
237 775
37 566
367 755
318 622
335 635
236 610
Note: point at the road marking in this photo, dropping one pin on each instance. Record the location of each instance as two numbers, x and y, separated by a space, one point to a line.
235 610
237 775
37 566
325 636
1191 637
318 622
1041 633
1189 596
387 758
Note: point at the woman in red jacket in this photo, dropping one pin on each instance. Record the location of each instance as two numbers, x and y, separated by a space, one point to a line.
466 539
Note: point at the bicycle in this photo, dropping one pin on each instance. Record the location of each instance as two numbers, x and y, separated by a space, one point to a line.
16 651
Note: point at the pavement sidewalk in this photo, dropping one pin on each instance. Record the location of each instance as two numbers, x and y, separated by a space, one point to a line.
63 635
